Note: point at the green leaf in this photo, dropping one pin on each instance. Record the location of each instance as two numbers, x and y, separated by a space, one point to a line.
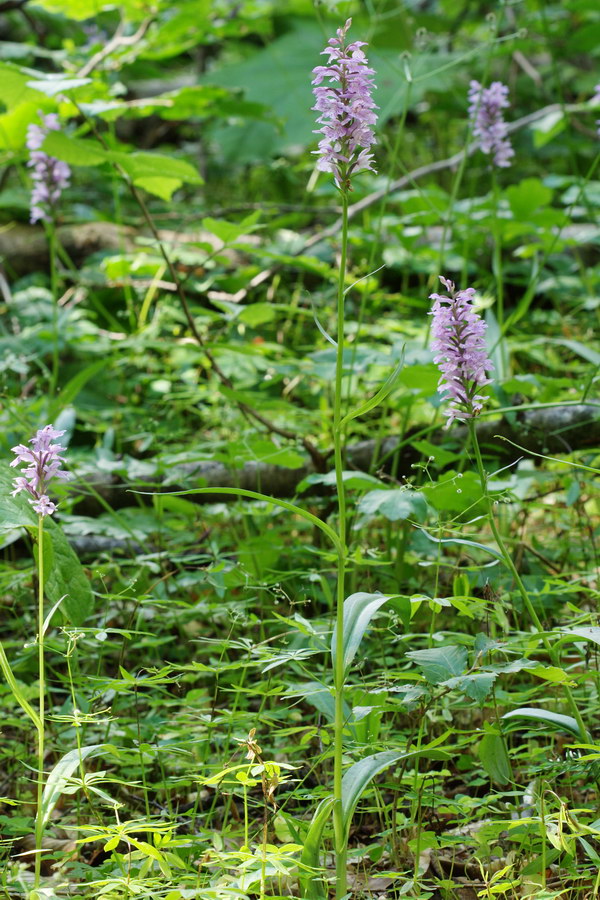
358 776
228 232
66 578
158 174
319 696
455 492
352 480
312 884
16 88
550 673
464 542
587 353
74 151
160 187
527 196
63 573
257 314
359 609
440 663
386 388
556 720
547 128
17 690
142 165
394 505
494 758
477 685
58 778
52 85
582 633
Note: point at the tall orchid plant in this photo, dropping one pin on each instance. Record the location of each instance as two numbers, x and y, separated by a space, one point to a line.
43 463
343 94
459 345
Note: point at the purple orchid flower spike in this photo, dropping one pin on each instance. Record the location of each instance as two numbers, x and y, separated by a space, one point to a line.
461 355
43 464
489 127
346 109
50 176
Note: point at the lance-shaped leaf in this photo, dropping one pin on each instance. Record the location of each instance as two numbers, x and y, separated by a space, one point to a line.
547 717
386 388
59 777
359 609
310 880
358 776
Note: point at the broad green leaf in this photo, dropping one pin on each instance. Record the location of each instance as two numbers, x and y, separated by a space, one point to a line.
455 492
494 757
546 717
67 579
550 673
256 314
359 609
394 505
527 196
319 696
58 778
582 633
160 187
154 165
15 86
13 127
228 232
358 776
440 663
74 151
312 884
477 685
156 173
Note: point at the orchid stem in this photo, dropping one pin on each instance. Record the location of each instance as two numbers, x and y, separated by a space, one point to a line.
340 838
39 821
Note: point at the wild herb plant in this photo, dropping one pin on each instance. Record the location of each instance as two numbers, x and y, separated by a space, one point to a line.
43 464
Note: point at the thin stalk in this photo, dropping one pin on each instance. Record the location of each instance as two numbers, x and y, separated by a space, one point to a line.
543 833
39 822
497 267
338 745
52 249
517 578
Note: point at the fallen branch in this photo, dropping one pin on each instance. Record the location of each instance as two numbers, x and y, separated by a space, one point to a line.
552 430
396 185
